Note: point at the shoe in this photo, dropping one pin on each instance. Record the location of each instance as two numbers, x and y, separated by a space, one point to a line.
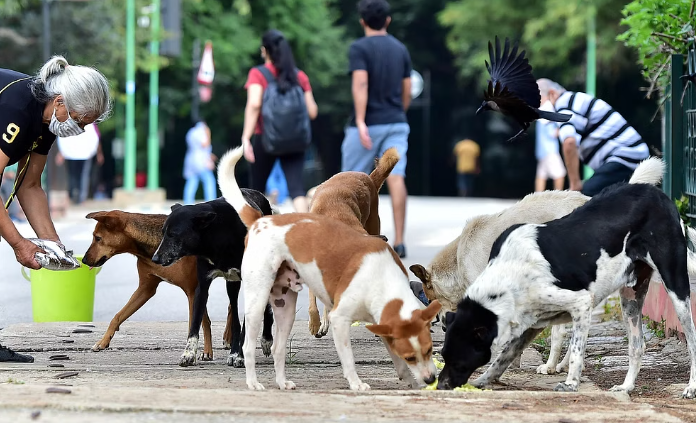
7 354
400 250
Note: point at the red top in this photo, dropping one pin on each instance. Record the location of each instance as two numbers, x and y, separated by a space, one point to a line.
256 77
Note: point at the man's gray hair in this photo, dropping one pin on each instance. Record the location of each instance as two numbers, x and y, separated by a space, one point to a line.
85 90
546 84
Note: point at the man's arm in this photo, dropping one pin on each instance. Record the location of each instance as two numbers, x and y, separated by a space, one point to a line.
572 162
406 93
359 90
33 198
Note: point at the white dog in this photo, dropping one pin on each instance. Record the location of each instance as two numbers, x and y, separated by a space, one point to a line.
459 263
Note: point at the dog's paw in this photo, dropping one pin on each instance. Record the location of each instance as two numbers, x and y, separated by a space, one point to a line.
266 345
314 325
622 388
689 392
324 329
545 369
479 383
99 347
359 386
188 358
566 387
562 367
204 356
235 360
226 345
287 385
255 386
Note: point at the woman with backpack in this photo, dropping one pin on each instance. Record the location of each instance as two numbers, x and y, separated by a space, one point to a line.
279 107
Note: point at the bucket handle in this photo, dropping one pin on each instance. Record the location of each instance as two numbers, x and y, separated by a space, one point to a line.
24 272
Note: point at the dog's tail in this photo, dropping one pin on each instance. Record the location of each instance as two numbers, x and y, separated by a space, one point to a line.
690 235
384 166
230 188
649 171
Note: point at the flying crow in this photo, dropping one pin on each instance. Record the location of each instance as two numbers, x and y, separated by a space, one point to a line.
512 89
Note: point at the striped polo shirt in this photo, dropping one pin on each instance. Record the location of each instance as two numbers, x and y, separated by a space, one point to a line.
602 134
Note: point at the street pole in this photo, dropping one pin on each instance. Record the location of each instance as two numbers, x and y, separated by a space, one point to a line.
46 16
130 133
153 139
591 77
196 63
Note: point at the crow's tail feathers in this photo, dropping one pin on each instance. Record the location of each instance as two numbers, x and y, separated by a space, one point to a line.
555 117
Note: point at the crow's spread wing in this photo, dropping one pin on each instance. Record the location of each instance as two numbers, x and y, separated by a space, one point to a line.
513 72
508 102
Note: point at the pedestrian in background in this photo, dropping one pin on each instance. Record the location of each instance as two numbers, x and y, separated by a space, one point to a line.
199 164
549 161
78 152
380 69
467 152
278 82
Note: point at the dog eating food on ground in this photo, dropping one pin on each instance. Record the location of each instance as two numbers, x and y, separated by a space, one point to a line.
458 264
358 275
213 232
352 198
541 274
119 232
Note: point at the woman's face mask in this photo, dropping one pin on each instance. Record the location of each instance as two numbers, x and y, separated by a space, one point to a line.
547 106
69 128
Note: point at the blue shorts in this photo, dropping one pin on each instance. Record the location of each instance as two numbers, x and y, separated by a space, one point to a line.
356 158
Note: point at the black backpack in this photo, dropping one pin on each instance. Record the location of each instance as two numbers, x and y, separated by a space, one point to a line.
286 126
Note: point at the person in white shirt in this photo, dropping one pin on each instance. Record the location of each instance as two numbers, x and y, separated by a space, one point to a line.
78 152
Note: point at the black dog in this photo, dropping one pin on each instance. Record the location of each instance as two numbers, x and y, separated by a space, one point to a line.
540 275
213 232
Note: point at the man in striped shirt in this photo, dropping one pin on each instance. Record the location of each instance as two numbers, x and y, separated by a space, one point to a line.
597 134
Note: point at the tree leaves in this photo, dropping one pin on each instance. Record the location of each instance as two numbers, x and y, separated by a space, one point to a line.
657 29
553 32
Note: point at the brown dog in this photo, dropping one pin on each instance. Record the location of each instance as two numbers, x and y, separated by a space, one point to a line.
352 198
120 232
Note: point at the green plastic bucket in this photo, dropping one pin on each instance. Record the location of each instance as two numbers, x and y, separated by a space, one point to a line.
62 296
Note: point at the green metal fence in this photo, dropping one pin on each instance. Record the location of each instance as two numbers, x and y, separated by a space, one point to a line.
689 133
680 133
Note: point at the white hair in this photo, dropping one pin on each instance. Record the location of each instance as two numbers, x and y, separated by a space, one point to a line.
85 90
545 85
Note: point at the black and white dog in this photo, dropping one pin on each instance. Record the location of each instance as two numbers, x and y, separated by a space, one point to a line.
540 275
213 232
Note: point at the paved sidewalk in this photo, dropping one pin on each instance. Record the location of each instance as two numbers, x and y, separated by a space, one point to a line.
138 380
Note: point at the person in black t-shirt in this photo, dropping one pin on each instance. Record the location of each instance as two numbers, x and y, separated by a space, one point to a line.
380 68
60 100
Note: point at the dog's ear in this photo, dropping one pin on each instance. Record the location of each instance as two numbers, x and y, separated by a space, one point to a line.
380 330
449 318
431 311
176 206
109 219
422 274
202 220
480 333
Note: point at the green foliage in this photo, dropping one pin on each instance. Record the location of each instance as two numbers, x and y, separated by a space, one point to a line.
553 32
683 208
657 29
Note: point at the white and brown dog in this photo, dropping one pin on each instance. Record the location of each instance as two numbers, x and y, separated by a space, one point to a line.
352 198
458 264
360 276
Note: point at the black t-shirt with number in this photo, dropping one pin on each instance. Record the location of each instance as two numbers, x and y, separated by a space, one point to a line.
21 118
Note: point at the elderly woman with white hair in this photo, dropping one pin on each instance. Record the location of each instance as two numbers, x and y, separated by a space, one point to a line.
59 101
